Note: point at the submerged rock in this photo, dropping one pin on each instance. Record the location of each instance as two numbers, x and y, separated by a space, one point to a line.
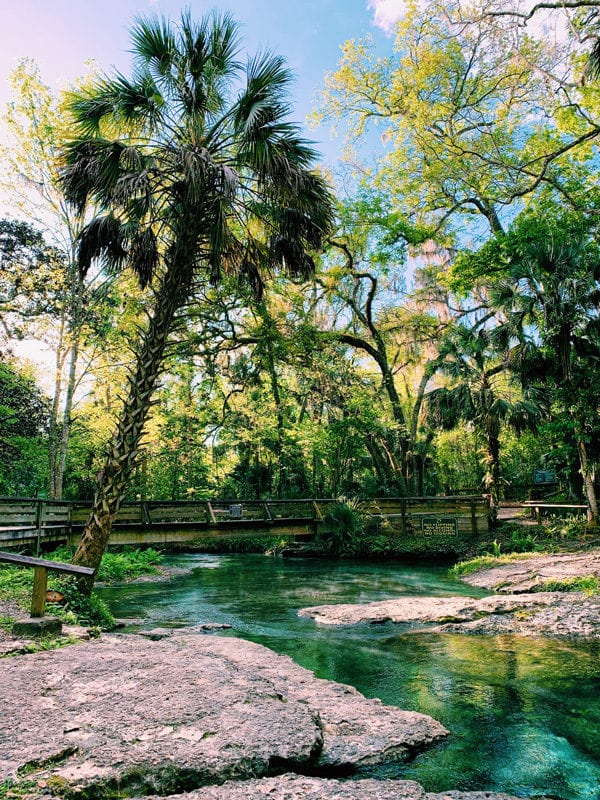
141 716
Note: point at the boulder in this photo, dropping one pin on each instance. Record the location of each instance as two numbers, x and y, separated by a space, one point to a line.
123 713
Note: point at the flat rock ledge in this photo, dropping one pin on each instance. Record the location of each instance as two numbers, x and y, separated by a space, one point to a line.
125 715
531 573
290 787
557 614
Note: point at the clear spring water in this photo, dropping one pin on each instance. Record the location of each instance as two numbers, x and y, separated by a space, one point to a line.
524 714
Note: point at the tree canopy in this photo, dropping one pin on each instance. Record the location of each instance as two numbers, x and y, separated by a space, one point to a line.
229 324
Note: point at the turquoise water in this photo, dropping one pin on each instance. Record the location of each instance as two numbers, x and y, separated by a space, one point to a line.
524 714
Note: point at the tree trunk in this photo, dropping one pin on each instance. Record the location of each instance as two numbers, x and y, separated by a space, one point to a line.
54 432
492 474
70 337
123 451
76 302
588 484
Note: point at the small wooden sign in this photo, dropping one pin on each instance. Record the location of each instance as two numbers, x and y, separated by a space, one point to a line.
439 526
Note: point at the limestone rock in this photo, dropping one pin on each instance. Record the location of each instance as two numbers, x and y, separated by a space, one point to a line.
299 787
420 609
528 612
530 573
37 626
164 716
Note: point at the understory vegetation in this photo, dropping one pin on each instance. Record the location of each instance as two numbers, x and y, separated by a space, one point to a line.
16 585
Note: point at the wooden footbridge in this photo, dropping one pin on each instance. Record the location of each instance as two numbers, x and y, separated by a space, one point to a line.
42 523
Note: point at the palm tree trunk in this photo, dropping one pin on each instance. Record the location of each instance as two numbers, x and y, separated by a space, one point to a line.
588 484
124 449
492 474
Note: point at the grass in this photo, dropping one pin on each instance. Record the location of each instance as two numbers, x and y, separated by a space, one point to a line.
125 564
584 583
464 568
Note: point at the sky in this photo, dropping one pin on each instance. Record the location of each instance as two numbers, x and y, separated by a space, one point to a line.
62 35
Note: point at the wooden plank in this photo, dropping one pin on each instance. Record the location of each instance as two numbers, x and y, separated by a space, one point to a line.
56 566
533 504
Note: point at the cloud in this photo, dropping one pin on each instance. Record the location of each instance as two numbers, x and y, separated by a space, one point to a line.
386 13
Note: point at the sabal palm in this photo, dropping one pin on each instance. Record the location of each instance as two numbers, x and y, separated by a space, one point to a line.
482 393
193 170
551 302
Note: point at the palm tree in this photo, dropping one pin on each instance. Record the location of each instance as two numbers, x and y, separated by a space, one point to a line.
193 171
552 300
483 393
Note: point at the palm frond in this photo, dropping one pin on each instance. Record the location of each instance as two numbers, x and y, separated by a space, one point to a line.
154 45
143 256
264 99
117 100
91 167
103 238
212 166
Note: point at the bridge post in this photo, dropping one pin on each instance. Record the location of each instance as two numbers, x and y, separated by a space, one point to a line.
473 518
39 521
211 512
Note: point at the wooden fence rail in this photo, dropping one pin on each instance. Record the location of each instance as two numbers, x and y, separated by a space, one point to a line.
43 522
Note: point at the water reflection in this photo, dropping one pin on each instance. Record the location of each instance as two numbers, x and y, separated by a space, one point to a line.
524 714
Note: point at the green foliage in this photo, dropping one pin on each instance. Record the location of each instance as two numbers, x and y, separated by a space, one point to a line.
24 414
585 583
31 281
89 610
16 585
249 544
346 525
129 563
457 461
352 533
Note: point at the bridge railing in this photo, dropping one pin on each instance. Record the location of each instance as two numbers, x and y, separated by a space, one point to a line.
26 520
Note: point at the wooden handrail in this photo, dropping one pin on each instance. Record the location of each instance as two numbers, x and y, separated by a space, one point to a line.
40 576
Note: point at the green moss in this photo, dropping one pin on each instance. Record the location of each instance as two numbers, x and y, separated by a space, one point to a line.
585 583
15 789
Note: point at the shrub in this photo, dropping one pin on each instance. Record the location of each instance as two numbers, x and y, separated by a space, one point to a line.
91 610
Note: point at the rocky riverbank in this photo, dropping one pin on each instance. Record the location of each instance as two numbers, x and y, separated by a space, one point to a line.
123 715
217 718
519 606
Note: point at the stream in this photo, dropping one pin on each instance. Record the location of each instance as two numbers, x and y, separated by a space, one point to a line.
524 714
